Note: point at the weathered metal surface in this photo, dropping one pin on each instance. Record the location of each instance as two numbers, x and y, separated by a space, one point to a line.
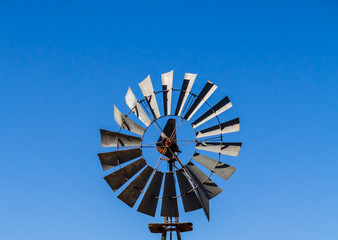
216 110
148 91
226 127
121 176
229 148
209 188
204 202
206 92
111 159
149 202
167 87
112 139
223 170
169 130
136 108
126 123
158 227
189 80
188 195
132 192
169 201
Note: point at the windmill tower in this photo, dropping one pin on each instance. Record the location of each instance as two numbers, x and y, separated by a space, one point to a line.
145 176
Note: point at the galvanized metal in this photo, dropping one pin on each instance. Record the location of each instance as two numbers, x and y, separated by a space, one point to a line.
121 176
136 108
188 195
126 123
169 200
148 92
226 127
223 170
216 110
111 159
112 139
167 87
149 202
132 192
227 148
189 79
206 92
209 188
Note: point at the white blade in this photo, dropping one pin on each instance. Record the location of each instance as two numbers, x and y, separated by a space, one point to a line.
125 122
216 110
206 92
226 127
167 87
148 91
231 149
135 106
189 79
223 170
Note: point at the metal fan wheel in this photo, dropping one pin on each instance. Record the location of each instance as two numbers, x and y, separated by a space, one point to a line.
196 188
181 123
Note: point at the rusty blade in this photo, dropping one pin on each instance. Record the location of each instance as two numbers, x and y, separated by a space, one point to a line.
112 139
223 128
135 106
121 176
148 91
126 123
203 96
231 149
111 159
188 195
132 192
209 188
216 110
169 201
223 170
149 202
167 87
189 79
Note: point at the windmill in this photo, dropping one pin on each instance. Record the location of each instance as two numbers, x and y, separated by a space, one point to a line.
156 180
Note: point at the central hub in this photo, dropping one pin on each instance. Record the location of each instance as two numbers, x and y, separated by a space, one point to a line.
167 147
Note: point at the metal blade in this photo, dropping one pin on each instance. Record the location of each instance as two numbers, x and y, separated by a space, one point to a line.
209 188
206 92
149 202
112 139
226 127
131 193
189 80
169 201
231 149
125 122
223 170
148 91
167 87
204 202
111 159
121 176
219 108
189 198
135 106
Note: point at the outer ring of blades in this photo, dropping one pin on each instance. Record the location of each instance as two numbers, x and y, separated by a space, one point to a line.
181 117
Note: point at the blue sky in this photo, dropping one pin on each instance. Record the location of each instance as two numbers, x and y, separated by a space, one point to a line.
63 66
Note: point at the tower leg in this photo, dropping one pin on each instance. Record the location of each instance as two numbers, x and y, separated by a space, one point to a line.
164 234
178 234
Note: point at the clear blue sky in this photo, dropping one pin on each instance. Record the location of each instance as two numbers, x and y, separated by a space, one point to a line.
63 66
